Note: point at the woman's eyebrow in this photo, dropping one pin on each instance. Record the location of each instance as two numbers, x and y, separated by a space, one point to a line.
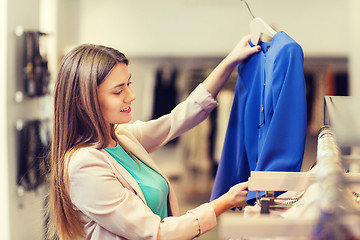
121 84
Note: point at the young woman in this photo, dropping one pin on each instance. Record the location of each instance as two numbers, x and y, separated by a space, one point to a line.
104 184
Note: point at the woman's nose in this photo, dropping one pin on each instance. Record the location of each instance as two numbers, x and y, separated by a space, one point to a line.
130 95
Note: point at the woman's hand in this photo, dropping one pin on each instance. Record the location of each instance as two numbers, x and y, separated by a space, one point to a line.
243 50
217 78
235 197
238 194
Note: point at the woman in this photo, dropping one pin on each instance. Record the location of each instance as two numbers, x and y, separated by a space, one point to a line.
104 184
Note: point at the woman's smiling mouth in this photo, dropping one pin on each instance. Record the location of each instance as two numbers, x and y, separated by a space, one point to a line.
127 110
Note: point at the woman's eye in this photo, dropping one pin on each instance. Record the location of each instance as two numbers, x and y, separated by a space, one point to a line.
120 91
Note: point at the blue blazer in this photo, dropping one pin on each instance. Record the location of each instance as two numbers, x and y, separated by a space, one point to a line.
267 125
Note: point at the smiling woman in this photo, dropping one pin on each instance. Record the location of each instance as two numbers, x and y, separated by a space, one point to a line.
104 183
78 122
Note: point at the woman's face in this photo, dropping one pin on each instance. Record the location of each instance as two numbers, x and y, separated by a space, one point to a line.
115 95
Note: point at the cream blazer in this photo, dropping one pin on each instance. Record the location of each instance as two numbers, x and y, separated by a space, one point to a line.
109 200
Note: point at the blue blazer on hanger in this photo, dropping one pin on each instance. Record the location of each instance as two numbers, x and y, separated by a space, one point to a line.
267 125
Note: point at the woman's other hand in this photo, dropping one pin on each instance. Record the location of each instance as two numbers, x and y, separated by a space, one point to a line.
238 194
235 197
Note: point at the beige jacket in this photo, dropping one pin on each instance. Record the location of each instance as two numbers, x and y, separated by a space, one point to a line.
111 203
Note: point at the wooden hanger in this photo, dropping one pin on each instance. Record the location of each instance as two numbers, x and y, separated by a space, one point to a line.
260 30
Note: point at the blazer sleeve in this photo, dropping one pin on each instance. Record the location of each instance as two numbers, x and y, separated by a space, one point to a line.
186 115
98 194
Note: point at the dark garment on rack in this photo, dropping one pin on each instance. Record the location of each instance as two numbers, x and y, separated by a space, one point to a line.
165 94
267 125
341 84
310 94
33 148
212 141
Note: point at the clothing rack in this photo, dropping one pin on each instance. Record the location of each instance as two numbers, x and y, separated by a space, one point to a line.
235 227
293 181
332 218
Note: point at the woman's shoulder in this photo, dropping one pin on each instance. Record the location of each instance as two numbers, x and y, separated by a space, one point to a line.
86 152
130 131
87 157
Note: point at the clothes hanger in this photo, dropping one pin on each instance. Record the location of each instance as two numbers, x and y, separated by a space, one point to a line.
259 29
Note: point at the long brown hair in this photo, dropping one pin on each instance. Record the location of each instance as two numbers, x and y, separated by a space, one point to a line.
78 122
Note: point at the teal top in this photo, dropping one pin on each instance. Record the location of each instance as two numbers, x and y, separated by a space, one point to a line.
152 184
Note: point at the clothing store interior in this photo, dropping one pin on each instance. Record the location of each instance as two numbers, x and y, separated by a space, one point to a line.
303 167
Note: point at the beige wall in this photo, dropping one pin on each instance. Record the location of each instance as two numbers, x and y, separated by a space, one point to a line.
209 27
4 174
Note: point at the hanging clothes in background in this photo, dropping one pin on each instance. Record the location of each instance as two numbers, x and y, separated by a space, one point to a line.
224 99
341 84
36 76
310 95
329 78
33 147
165 92
212 140
197 159
317 113
336 82
267 125
197 145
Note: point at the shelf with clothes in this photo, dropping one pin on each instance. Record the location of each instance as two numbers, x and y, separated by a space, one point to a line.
323 202
33 76
320 204
324 76
198 160
32 112
202 145
33 146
